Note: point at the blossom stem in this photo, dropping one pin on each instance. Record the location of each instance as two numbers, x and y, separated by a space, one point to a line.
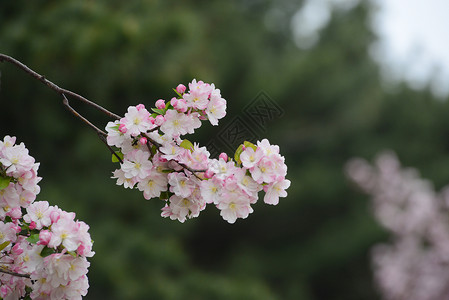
6 271
55 87
64 93
65 101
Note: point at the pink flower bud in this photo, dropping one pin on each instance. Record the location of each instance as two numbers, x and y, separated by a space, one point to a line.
160 104
32 225
140 106
44 237
15 213
17 228
181 88
16 249
122 128
181 105
4 291
173 101
223 156
143 141
151 119
54 216
81 250
208 174
160 119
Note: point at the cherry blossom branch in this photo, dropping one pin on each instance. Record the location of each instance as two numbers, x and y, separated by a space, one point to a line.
63 92
3 270
55 87
157 145
193 171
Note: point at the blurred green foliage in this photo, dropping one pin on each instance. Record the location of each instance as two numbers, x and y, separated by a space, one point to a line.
315 244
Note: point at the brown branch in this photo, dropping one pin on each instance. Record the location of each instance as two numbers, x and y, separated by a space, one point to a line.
6 271
63 92
193 171
157 145
101 134
54 87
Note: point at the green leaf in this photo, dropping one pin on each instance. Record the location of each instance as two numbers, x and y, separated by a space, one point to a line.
250 145
164 196
153 115
115 159
4 245
177 93
237 154
72 253
47 251
33 239
186 144
4 182
158 111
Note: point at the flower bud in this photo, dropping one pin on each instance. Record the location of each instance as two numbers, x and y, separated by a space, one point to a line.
223 156
16 249
17 228
143 141
122 128
15 213
181 88
173 101
54 216
208 174
181 105
160 119
160 104
81 250
44 237
151 119
32 225
140 106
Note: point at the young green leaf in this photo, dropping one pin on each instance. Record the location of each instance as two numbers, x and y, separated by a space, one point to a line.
47 251
115 159
177 93
250 145
158 111
33 239
186 144
4 245
237 154
164 196
4 182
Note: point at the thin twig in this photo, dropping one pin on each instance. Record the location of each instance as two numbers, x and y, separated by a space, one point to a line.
65 101
101 134
54 87
6 271
193 171
103 139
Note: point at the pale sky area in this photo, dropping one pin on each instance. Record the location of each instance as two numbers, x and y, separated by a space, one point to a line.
414 38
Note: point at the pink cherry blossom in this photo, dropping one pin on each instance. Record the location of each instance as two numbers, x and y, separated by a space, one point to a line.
275 190
136 121
153 185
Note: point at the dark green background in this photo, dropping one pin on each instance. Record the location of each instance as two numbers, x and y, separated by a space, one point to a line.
315 244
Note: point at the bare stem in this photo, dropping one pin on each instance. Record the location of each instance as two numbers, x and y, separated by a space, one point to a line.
6 271
54 87
101 134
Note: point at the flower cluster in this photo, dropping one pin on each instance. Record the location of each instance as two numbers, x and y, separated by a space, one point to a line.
413 265
154 158
43 249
